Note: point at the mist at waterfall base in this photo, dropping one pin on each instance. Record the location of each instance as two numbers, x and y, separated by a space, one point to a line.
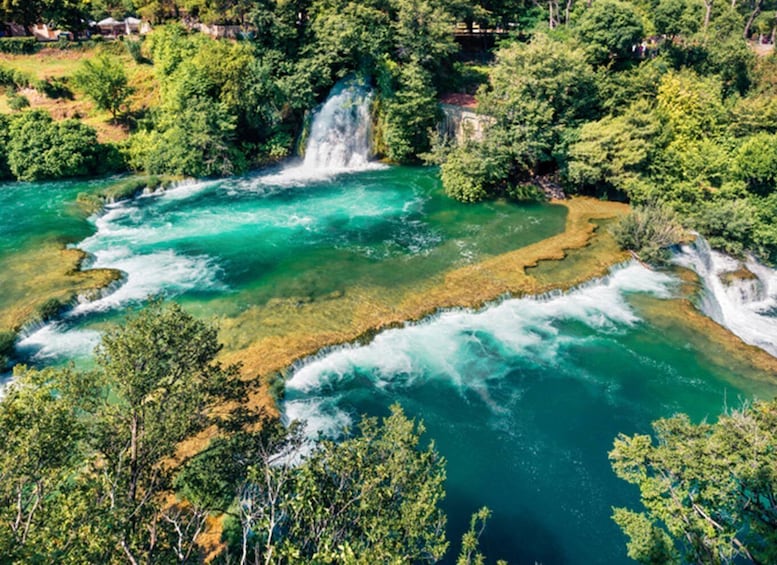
523 399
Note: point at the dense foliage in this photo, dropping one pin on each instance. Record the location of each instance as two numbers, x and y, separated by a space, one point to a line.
91 461
83 464
682 120
709 490
35 147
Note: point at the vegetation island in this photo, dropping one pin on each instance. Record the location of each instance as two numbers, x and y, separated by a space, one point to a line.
643 123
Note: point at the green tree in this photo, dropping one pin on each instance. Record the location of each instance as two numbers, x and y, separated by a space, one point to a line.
374 496
160 371
104 81
755 162
5 171
40 148
691 105
475 170
45 440
615 151
24 12
709 490
410 114
609 29
677 18
536 91
199 141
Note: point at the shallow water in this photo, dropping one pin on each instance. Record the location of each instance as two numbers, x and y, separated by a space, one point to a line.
223 247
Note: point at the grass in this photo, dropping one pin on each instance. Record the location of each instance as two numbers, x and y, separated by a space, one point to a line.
52 63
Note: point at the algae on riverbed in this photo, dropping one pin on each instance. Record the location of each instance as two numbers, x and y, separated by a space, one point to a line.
271 337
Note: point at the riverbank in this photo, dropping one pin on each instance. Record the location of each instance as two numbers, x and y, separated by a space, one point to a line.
42 275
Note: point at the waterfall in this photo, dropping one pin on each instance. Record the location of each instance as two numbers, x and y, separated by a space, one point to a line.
339 139
340 132
739 295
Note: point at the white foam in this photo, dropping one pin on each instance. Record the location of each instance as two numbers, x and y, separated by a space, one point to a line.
466 347
149 274
54 341
743 306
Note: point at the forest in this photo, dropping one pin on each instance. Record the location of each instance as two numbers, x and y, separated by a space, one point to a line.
669 105
665 104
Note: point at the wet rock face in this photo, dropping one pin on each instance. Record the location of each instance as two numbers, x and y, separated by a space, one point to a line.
743 286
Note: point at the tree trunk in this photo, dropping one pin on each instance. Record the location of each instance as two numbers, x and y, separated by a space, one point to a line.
774 29
566 12
707 13
753 15
133 458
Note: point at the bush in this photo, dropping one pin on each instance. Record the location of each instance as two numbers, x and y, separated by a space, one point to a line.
473 171
7 340
17 102
6 77
134 48
50 309
19 45
13 78
729 225
648 231
39 148
5 172
54 88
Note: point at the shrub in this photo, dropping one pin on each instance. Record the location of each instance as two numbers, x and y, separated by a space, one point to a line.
648 231
13 78
17 102
51 308
134 48
7 340
19 45
54 88
474 170
39 148
6 77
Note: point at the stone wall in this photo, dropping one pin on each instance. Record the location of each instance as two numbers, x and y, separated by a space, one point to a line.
461 123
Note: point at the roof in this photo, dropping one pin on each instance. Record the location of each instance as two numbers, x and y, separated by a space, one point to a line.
459 99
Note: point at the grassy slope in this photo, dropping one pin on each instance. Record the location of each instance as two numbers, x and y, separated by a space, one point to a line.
61 64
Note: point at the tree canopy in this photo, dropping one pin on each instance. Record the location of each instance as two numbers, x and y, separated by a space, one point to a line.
709 490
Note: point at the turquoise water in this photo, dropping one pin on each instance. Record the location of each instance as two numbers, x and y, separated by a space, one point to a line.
523 398
226 246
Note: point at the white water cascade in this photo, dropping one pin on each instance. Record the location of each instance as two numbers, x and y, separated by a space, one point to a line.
739 295
339 139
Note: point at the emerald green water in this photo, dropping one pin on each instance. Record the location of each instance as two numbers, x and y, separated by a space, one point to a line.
523 398
223 247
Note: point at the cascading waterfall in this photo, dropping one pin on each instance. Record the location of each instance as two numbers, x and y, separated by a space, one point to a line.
339 139
340 132
739 295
